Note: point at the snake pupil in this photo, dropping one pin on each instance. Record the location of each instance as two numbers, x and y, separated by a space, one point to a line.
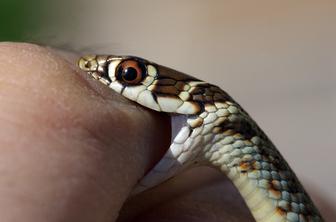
129 74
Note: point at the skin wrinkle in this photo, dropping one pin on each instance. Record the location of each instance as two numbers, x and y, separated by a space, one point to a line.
180 196
93 149
95 132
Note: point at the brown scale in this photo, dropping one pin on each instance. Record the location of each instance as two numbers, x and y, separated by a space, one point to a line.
240 126
205 93
275 185
247 166
180 85
165 82
275 193
169 90
281 211
168 73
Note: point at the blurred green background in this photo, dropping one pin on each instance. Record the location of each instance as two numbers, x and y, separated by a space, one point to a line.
19 18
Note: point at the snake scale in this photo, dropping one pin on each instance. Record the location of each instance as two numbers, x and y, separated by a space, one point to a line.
216 132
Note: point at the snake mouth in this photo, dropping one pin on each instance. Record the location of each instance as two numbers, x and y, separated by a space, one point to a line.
177 121
100 77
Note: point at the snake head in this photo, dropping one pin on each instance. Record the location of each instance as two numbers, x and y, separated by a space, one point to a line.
95 66
149 84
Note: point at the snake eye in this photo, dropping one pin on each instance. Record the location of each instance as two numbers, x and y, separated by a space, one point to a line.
131 71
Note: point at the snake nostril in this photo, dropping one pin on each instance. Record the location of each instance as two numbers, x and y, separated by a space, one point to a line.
84 64
88 63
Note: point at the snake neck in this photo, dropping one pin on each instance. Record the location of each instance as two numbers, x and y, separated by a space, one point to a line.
234 144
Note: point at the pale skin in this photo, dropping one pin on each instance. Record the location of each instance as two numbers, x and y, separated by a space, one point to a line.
72 150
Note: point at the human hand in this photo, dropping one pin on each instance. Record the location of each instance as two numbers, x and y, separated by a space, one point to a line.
70 149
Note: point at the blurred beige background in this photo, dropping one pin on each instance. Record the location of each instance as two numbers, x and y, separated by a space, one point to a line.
276 58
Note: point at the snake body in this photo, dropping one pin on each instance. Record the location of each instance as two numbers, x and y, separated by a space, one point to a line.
216 132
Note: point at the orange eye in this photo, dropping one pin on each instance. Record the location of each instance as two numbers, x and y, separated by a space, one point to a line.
131 72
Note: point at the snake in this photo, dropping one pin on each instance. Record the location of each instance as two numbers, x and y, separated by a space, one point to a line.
213 130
